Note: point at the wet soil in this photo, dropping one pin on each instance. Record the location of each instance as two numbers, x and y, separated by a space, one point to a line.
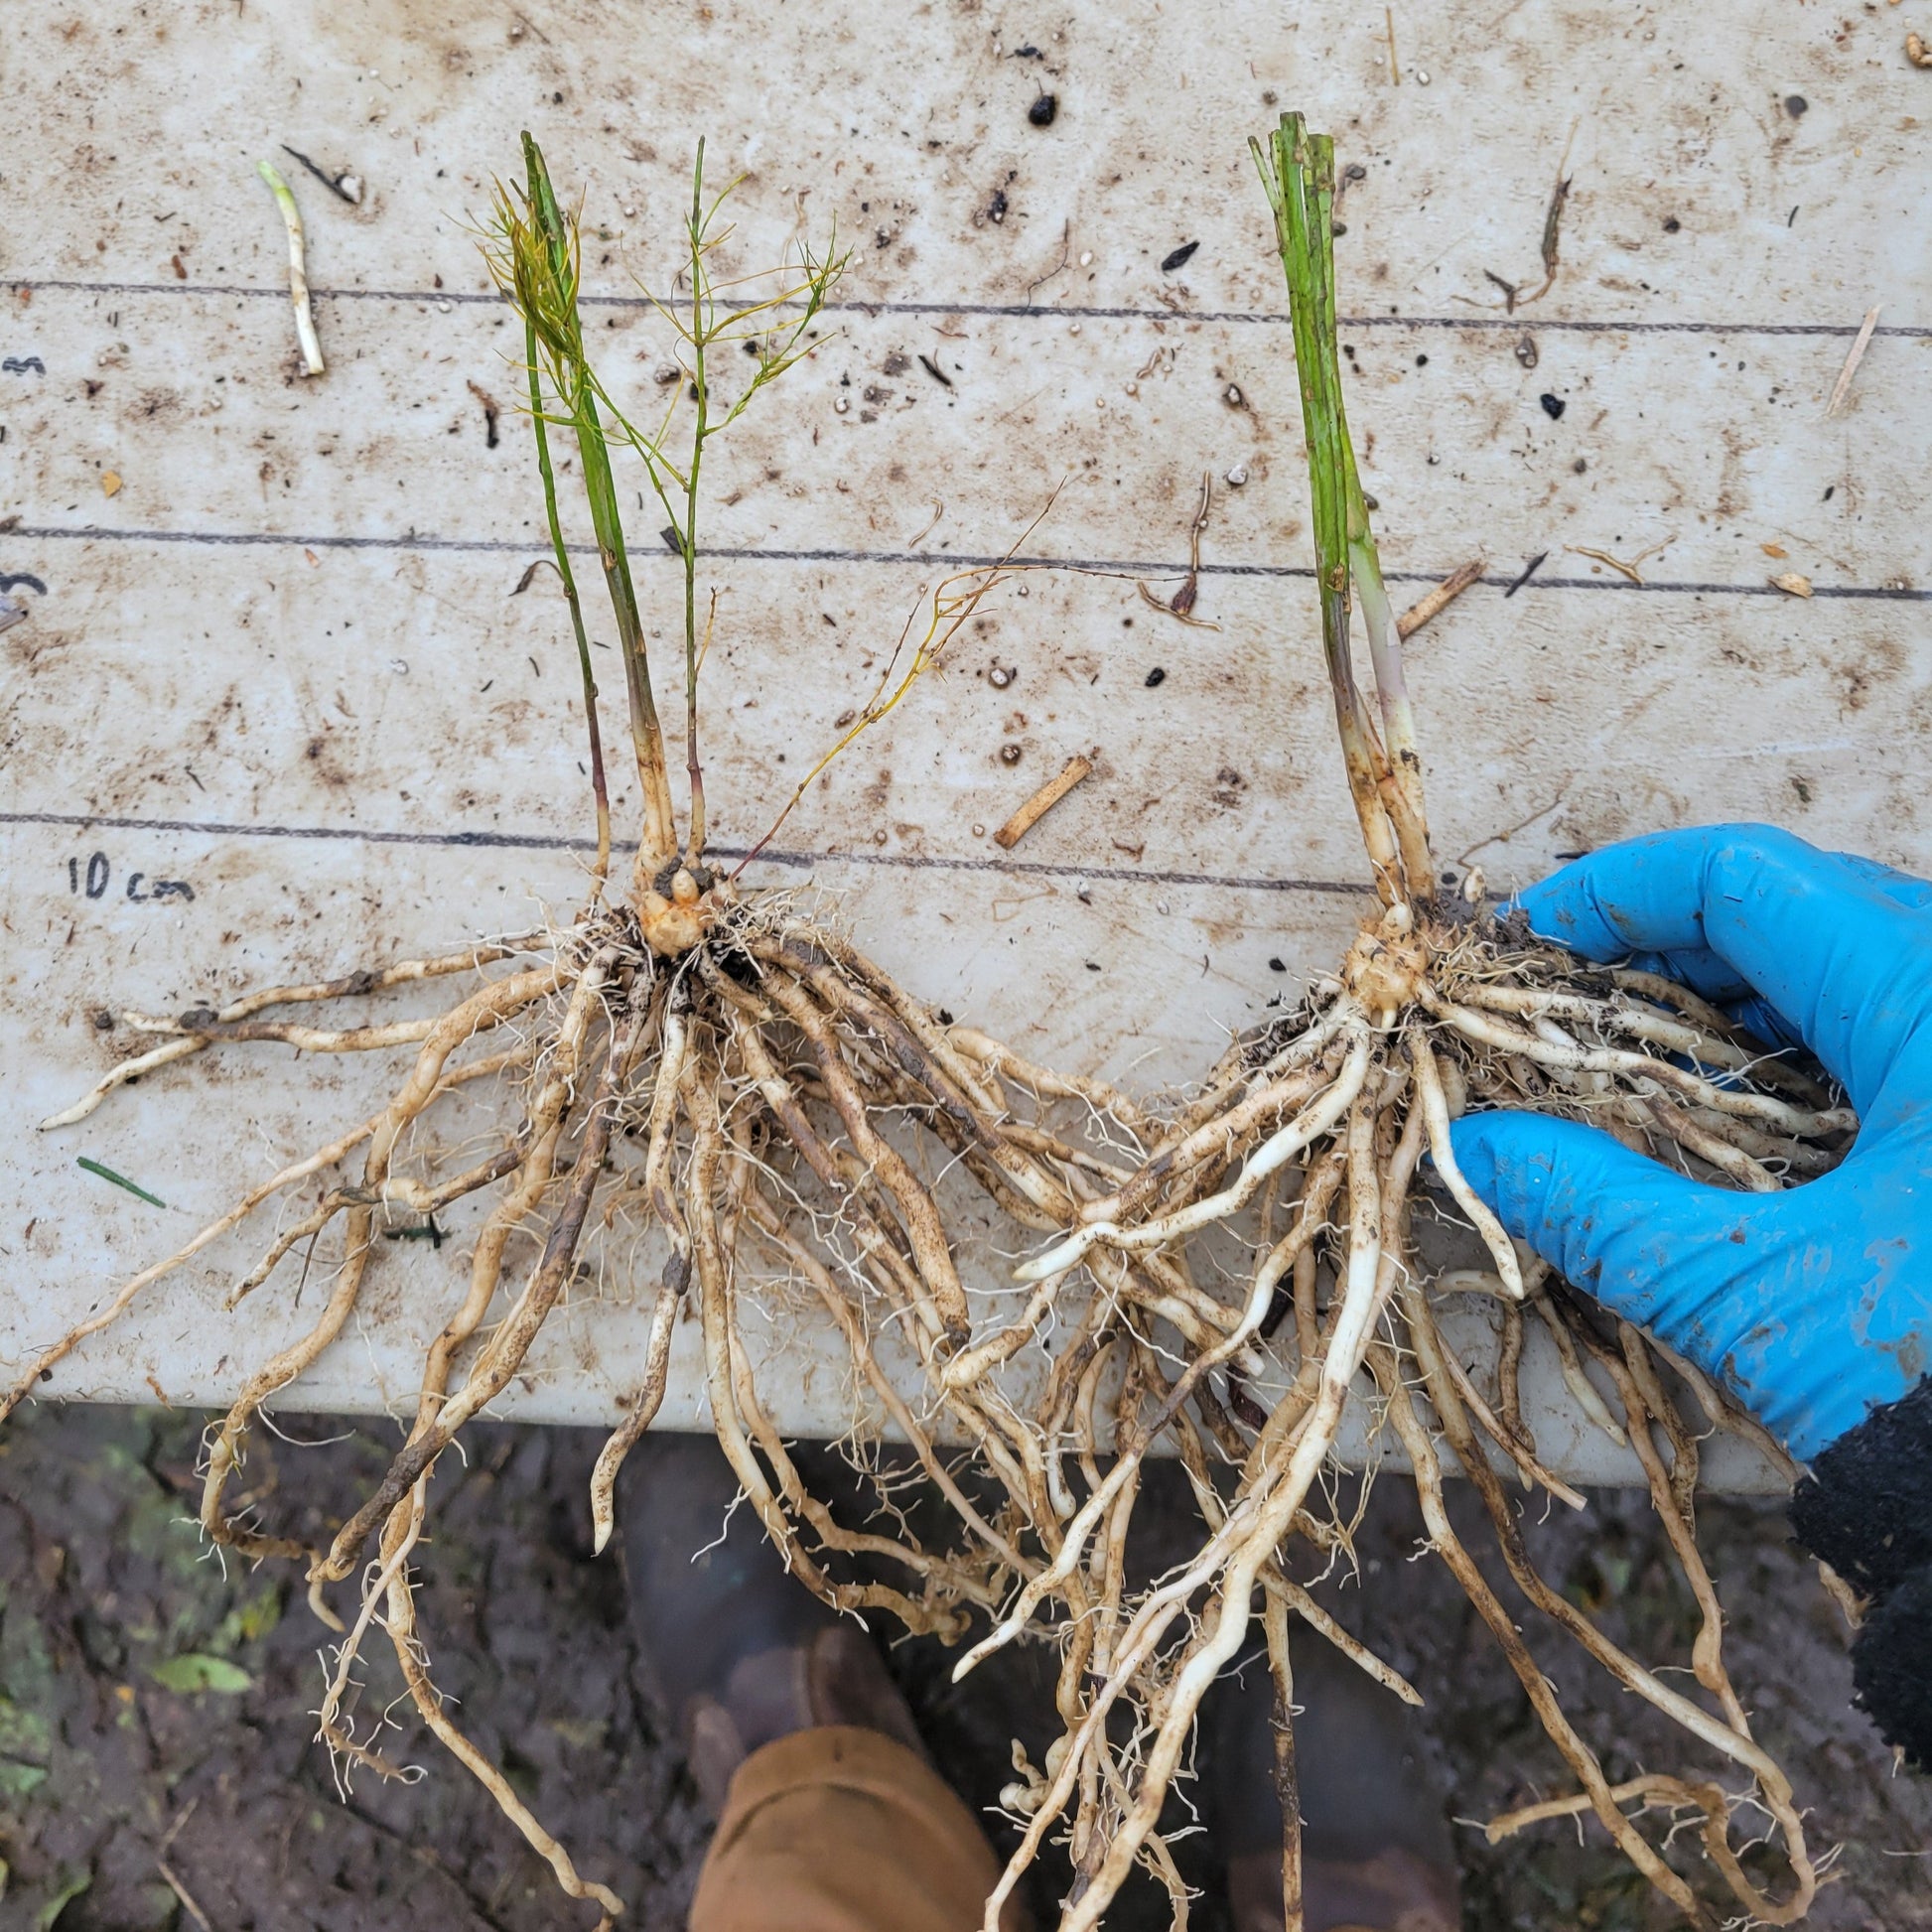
146 1692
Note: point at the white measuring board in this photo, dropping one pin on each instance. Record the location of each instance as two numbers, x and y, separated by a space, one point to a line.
272 658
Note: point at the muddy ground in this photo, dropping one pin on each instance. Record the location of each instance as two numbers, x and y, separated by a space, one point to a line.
153 1706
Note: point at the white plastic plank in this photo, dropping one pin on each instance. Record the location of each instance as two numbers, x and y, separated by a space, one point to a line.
280 663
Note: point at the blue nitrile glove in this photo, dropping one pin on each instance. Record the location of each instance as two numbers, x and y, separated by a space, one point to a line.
1815 1303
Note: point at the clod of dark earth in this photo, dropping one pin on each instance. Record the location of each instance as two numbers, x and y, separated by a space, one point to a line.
1179 258
1552 406
1043 111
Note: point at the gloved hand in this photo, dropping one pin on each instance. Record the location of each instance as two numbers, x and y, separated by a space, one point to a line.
1815 1303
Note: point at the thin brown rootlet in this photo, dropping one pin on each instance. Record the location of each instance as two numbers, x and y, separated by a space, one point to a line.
714 1065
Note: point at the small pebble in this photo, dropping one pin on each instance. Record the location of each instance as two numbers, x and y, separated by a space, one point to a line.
1073 329
840 406
1100 402
1009 754
1156 676
1133 388
1422 78
1237 475
999 677
979 831
1086 258
1234 394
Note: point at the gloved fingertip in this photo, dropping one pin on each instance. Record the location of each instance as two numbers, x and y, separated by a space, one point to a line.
1490 1146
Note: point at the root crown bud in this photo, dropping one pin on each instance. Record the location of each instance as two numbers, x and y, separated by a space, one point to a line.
1387 964
678 909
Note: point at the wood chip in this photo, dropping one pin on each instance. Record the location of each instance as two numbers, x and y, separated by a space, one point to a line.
1774 549
1434 601
1843 386
1042 802
110 483
1792 583
1917 51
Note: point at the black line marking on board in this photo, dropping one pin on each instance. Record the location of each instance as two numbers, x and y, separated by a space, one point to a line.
1023 311
926 559
790 861
19 577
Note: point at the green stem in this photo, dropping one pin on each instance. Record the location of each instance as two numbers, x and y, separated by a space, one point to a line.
600 490
699 382
1298 174
561 553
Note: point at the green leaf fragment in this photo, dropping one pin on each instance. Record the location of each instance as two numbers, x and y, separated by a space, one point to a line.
23 1733
196 1671
120 1180
63 1895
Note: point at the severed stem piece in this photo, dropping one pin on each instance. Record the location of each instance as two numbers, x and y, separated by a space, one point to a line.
305 321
